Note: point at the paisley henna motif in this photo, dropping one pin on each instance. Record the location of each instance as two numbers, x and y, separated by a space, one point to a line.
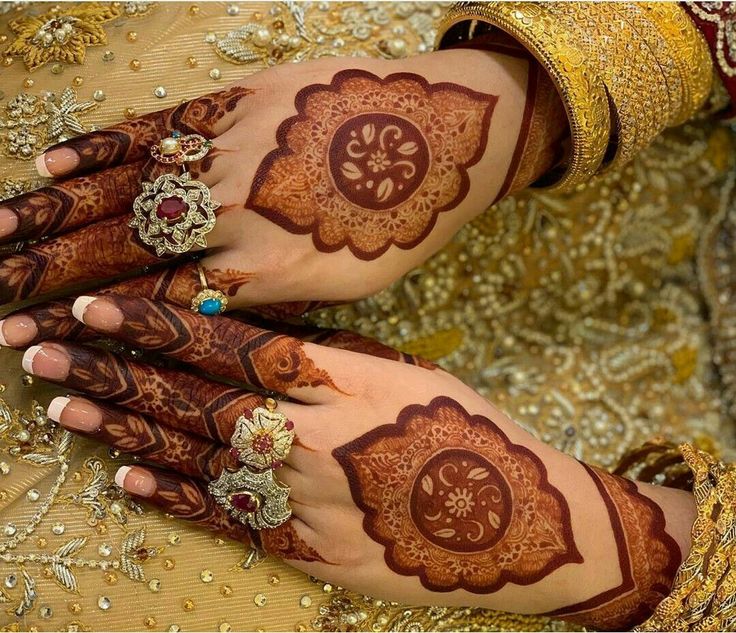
370 162
130 141
75 203
648 559
220 345
455 503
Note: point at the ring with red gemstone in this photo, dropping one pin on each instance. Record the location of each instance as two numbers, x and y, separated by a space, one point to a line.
263 440
256 499
174 213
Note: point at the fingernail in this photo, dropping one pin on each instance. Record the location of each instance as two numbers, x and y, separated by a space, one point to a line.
100 314
8 221
76 415
57 162
17 331
46 362
136 480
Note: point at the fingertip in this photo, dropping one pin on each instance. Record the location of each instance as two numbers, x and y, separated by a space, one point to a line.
56 407
17 331
8 222
99 313
41 166
30 354
80 307
120 475
136 480
57 162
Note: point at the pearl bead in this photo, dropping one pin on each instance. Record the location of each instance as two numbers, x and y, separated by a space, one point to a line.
262 37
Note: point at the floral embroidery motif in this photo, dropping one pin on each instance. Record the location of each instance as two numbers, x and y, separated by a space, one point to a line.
61 35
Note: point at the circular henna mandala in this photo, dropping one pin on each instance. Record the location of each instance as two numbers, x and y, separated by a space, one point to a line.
457 504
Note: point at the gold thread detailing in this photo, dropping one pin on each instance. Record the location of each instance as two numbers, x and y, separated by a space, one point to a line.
560 53
702 597
723 15
61 35
649 58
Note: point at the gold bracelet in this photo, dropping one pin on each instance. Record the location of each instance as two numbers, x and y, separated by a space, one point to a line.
582 91
703 594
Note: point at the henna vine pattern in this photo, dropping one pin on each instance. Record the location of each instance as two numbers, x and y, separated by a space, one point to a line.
648 558
456 503
370 162
285 542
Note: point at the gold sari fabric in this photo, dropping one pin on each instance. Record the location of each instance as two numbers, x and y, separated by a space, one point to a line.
585 316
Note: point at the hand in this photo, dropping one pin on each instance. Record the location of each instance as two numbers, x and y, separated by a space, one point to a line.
335 177
405 484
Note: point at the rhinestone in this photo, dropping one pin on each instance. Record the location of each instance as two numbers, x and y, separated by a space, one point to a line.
75 608
189 605
58 529
233 9
274 580
305 602
149 622
193 62
215 73
11 580
210 38
108 56
160 92
131 36
42 542
224 627
105 549
46 612
169 563
260 600
78 81
154 585
23 435
98 95
33 495
4 468
193 10
206 575
103 602
27 380
226 591
116 508
327 588
28 83
135 64
111 577
10 529
57 69
174 628
174 538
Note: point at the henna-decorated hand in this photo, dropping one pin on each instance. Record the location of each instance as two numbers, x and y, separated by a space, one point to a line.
335 177
406 484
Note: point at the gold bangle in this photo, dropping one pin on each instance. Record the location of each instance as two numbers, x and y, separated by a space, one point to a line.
702 597
581 89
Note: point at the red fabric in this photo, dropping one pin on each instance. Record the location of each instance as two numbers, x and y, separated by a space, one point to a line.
712 18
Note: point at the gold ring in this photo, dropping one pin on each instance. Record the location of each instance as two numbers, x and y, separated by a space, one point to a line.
264 440
208 302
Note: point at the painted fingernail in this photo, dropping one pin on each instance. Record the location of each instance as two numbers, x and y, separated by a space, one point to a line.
8 222
57 162
46 362
76 415
100 314
17 331
136 480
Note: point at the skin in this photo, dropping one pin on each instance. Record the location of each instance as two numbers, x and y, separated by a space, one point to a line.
437 138
368 513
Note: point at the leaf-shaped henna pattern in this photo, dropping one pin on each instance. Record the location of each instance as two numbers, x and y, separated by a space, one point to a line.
130 140
456 503
648 559
370 162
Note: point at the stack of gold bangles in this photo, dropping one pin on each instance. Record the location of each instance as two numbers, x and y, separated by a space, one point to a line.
625 70
252 494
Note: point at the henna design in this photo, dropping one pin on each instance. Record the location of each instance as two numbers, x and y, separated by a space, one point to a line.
220 345
173 398
183 452
189 499
100 251
130 140
285 542
455 503
74 203
648 559
370 162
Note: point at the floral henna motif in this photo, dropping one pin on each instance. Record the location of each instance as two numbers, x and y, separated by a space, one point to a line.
100 251
75 203
131 140
370 162
285 542
456 503
221 346
648 559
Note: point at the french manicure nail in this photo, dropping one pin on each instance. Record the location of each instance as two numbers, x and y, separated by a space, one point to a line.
57 162
136 480
17 331
98 313
76 415
46 362
8 221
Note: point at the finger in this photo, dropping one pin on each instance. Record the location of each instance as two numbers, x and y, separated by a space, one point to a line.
181 497
136 434
70 204
130 141
217 345
182 401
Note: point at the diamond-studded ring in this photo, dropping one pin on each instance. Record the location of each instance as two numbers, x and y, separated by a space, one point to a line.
264 440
